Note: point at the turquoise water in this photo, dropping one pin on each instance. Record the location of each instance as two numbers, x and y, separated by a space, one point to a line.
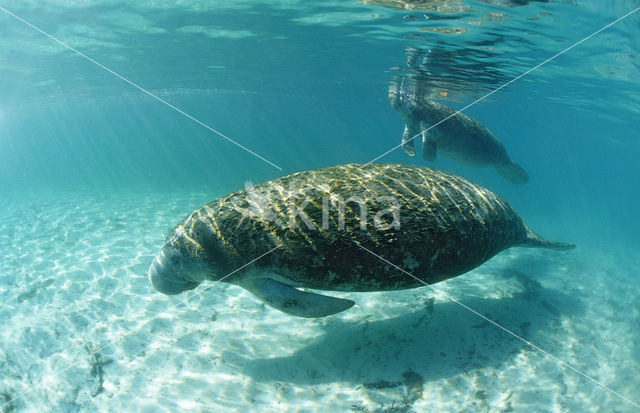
94 173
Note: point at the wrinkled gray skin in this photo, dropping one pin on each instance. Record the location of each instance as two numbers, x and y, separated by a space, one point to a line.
433 224
459 137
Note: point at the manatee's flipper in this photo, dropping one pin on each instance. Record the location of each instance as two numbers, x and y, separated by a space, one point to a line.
294 302
428 143
534 240
513 173
407 142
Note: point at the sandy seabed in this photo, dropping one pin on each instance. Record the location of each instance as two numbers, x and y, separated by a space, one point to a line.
84 331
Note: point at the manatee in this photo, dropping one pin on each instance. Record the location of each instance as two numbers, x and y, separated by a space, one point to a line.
459 137
431 223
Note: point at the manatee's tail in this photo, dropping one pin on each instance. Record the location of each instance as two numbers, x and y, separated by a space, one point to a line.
513 173
534 240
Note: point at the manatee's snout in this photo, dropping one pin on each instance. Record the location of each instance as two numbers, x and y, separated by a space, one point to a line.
171 274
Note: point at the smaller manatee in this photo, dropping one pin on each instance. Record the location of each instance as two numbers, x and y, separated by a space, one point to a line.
459 137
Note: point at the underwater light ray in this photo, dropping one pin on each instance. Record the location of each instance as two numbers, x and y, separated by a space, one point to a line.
60 42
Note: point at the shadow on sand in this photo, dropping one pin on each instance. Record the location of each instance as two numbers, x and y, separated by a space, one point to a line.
438 341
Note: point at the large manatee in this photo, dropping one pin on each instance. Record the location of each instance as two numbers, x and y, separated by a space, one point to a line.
431 223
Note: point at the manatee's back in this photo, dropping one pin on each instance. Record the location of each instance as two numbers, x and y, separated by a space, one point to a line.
431 223
451 225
